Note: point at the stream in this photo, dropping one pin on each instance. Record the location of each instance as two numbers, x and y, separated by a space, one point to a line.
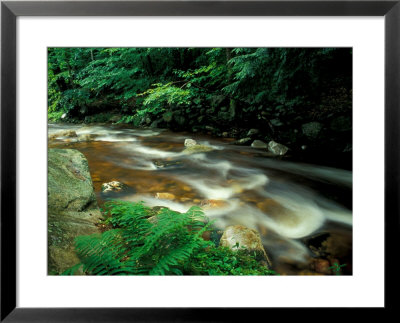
286 202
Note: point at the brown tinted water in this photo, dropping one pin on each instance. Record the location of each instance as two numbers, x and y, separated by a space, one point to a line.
286 202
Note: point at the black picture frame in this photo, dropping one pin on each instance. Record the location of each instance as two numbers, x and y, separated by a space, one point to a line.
10 10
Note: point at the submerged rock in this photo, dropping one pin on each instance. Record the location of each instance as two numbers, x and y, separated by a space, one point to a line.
160 163
277 149
239 237
72 206
87 137
165 196
210 204
64 133
197 149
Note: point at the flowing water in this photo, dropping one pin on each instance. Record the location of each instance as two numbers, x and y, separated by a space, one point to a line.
286 202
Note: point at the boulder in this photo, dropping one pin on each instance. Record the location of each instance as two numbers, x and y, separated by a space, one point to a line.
72 206
312 129
277 149
190 142
238 237
258 144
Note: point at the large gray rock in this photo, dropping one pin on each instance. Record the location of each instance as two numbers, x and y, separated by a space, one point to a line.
72 206
277 149
239 237
190 142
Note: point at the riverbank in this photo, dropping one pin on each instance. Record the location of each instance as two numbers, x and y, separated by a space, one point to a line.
327 143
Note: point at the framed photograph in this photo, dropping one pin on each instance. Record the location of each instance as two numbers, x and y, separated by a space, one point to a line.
187 160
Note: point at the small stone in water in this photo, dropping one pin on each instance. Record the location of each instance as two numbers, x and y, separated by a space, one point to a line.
111 186
165 196
213 203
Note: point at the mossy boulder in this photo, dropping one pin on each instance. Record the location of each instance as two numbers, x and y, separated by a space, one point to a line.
239 237
72 206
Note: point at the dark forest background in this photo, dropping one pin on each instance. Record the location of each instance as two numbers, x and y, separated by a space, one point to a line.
299 97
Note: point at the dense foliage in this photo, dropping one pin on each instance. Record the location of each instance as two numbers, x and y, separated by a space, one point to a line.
276 90
169 243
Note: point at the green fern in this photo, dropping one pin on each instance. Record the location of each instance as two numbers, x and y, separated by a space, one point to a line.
137 246
169 244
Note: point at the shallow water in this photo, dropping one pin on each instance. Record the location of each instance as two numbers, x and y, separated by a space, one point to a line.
285 201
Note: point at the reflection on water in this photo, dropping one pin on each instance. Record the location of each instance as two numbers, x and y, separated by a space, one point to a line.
284 201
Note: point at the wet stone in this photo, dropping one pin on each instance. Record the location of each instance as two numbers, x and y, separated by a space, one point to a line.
165 196
160 163
115 189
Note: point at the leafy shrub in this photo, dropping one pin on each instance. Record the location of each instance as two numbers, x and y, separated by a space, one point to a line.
55 115
170 243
